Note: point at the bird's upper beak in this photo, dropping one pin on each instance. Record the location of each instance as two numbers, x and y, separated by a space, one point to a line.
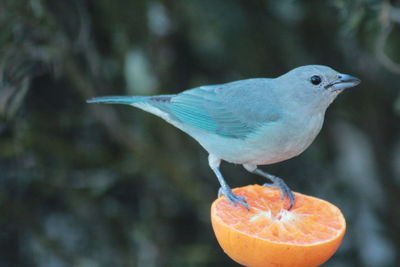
342 82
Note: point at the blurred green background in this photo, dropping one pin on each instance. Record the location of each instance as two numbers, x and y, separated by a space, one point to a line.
92 185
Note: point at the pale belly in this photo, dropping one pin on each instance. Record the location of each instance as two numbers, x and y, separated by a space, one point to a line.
273 143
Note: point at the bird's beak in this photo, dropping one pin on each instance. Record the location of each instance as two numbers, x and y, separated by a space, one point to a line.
342 82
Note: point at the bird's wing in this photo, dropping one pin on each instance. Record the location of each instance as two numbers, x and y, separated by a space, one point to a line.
221 109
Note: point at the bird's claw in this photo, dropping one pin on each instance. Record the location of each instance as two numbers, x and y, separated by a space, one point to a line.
285 190
232 198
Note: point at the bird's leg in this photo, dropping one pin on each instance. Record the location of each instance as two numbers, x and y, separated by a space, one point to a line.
276 182
214 163
226 190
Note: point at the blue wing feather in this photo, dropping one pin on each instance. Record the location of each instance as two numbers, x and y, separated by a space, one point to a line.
204 108
190 109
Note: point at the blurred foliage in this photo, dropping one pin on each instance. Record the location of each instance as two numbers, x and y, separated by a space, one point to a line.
90 185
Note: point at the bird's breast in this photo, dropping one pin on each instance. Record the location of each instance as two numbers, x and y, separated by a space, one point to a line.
283 139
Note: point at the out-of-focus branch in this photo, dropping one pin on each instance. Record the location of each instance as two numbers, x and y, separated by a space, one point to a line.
388 15
394 14
17 68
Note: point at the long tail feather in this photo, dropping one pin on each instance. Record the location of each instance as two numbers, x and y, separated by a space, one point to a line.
127 100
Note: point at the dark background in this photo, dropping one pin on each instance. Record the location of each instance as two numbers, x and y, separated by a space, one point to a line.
96 185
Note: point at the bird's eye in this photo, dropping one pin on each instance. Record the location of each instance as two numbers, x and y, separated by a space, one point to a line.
315 80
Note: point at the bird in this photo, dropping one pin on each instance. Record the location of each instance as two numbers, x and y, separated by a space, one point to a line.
252 122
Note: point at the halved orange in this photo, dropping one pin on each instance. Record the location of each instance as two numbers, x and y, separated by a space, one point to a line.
270 235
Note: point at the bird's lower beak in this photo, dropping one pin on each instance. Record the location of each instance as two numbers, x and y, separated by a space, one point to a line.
342 82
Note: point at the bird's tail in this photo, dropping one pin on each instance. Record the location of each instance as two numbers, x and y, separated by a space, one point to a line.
156 104
127 100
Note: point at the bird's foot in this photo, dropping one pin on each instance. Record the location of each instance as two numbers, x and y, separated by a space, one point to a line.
285 190
232 198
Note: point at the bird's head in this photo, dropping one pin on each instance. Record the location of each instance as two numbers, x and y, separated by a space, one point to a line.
316 84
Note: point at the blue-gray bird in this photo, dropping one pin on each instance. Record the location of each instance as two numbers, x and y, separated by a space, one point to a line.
250 122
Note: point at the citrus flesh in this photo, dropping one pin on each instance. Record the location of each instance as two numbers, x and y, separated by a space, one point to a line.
270 235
